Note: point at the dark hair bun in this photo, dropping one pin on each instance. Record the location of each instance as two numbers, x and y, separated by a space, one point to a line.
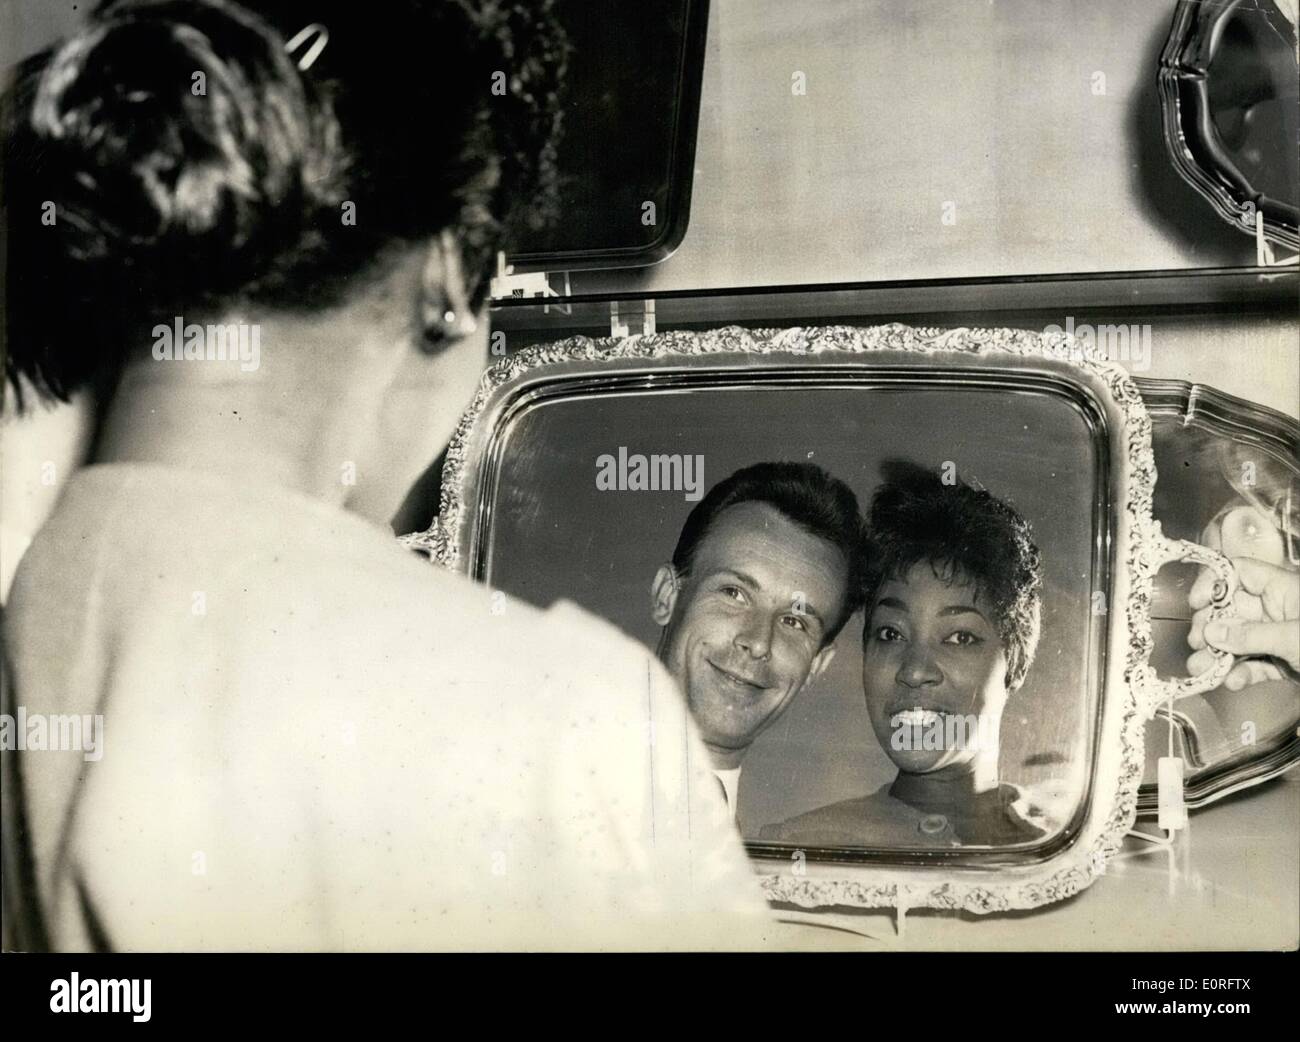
190 162
181 129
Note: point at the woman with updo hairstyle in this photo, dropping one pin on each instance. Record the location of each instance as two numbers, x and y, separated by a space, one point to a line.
262 240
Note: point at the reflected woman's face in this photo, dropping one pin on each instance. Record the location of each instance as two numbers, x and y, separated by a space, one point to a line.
933 672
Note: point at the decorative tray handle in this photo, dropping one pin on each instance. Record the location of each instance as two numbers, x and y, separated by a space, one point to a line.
1164 688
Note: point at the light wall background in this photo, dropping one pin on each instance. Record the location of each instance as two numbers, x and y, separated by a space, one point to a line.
991 105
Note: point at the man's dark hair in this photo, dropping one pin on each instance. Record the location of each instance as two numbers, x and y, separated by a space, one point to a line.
964 534
172 192
821 505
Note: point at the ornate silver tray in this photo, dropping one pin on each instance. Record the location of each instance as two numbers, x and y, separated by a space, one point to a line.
530 505
1231 110
1221 459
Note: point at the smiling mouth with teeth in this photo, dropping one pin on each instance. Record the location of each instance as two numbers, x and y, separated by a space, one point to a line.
915 717
735 679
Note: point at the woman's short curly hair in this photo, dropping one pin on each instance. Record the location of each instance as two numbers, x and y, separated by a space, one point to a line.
189 161
966 535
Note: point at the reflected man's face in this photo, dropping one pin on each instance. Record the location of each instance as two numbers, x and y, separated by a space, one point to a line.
933 663
743 631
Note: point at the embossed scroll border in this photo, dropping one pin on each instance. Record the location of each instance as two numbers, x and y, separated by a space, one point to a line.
978 891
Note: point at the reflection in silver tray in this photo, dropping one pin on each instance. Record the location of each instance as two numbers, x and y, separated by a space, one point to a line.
1229 477
1033 418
